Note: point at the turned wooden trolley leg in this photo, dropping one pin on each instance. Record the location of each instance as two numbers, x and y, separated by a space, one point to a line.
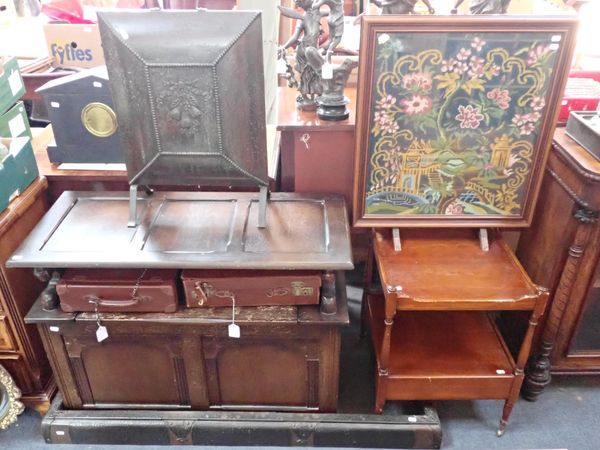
381 385
538 311
380 392
384 357
510 401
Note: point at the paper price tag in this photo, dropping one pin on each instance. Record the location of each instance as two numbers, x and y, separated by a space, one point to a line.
101 333
327 71
281 68
234 330
383 38
16 126
15 83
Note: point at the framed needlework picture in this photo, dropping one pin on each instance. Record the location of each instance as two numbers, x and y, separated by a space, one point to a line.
455 117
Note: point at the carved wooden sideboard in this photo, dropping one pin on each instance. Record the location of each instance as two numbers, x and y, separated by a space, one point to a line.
287 357
21 350
286 360
561 251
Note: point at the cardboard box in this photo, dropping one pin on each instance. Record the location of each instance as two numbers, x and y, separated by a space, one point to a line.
18 169
7 11
11 83
14 122
74 45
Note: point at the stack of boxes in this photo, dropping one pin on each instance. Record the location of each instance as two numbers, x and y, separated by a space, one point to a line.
18 168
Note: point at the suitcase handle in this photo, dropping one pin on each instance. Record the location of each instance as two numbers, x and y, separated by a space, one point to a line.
112 303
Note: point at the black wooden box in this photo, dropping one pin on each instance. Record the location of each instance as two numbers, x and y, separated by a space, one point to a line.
84 123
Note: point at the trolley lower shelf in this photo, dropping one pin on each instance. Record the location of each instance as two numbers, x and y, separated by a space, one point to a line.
442 355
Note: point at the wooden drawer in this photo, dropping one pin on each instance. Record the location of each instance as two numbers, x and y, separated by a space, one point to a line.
6 340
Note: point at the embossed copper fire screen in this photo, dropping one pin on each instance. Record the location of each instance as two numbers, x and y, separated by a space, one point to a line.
189 96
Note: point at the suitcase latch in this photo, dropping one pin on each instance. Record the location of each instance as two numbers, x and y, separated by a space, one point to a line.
300 290
204 290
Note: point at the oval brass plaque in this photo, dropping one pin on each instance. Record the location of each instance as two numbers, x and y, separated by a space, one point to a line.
99 119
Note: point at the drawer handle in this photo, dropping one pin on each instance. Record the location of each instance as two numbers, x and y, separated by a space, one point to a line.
112 303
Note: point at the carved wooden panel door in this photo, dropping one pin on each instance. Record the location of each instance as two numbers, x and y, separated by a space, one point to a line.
135 370
274 371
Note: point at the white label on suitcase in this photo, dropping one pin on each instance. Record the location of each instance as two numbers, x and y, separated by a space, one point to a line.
101 333
16 126
234 330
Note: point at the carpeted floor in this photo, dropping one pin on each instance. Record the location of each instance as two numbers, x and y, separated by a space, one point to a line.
566 416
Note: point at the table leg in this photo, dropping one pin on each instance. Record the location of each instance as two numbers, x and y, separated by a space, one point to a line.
384 356
539 309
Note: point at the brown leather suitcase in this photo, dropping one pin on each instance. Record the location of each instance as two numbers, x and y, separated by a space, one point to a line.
210 288
108 290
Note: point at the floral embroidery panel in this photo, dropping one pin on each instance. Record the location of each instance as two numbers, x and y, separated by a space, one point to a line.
455 119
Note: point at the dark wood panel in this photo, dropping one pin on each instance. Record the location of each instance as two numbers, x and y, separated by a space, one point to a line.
143 369
325 163
562 251
303 232
587 333
255 372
